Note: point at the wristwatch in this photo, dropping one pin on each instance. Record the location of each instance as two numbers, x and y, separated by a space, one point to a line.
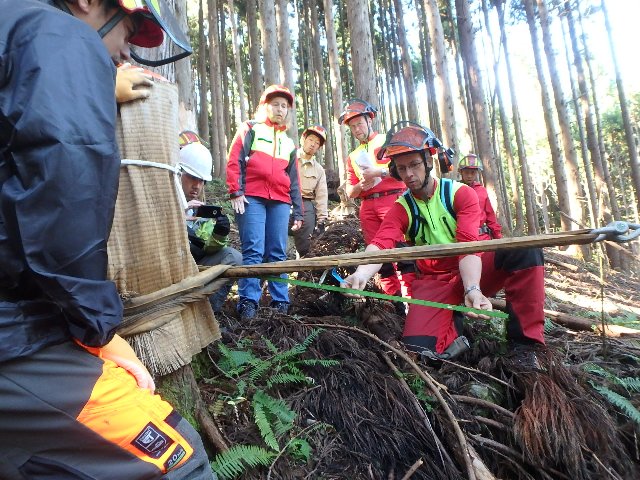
471 288
384 173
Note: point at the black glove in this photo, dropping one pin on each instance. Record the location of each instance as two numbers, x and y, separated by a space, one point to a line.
319 229
222 226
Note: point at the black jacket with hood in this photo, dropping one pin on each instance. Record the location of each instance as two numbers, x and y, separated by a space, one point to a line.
59 167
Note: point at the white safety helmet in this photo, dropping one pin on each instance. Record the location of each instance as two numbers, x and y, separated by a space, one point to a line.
195 159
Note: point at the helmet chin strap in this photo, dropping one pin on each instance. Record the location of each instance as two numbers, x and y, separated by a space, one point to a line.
112 22
107 27
427 171
425 183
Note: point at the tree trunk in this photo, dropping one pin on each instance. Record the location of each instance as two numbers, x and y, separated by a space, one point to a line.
257 80
558 166
460 88
218 139
362 51
445 107
178 72
203 113
529 191
601 171
269 35
236 61
336 88
581 105
427 67
479 111
224 68
303 66
346 72
571 159
504 127
398 85
312 84
407 70
329 161
626 119
286 61
391 108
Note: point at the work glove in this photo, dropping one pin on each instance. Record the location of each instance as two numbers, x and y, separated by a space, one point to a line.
121 353
129 80
356 281
319 230
222 226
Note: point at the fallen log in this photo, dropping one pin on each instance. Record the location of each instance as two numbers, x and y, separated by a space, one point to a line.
580 324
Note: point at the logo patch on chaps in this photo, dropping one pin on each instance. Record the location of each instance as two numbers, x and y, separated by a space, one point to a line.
152 441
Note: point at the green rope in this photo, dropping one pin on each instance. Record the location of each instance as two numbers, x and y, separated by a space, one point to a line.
362 293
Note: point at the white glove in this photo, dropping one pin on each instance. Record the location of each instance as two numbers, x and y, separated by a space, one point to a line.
357 281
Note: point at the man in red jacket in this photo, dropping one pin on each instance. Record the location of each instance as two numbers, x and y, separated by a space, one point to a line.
470 167
368 179
441 211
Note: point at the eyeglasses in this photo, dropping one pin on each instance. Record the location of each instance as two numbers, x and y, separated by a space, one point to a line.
402 169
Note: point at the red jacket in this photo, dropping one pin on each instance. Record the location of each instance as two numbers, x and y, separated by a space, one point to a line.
488 215
262 163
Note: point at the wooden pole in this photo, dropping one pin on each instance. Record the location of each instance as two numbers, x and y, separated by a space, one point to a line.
198 284
577 237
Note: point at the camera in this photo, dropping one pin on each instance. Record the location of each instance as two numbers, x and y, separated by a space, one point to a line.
208 211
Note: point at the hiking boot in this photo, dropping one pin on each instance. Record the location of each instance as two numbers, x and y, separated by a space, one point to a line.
457 348
523 357
281 307
247 309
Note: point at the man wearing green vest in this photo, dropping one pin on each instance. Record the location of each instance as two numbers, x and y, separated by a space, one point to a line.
443 211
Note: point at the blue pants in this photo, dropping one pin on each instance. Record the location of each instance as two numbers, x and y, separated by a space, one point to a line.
263 234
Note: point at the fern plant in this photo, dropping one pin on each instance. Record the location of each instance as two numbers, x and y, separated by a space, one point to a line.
254 377
236 460
629 384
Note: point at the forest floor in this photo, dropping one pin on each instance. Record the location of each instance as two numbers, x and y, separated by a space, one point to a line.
326 392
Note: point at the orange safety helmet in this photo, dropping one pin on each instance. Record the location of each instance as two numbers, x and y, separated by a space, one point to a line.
471 162
406 137
276 91
318 130
356 107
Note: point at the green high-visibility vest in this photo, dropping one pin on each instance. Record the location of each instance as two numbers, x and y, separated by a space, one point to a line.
432 222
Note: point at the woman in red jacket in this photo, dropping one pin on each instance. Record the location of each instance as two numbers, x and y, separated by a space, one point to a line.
262 177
